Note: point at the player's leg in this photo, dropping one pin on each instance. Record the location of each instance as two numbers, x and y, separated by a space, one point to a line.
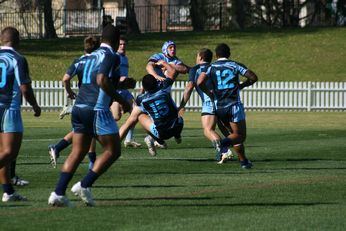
209 123
238 137
130 122
9 148
55 149
108 137
150 128
92 153
129 139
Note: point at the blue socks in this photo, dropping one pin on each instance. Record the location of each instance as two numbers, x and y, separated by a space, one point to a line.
61 145
89 179
61 186
8 188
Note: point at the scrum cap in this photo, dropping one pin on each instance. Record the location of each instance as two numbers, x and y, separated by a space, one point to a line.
166 45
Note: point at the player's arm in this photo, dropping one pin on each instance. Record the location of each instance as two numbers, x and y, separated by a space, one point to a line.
202 79
66 79
251 78
169 69
151 70
25 86
182 68
28 94
186 96
105 84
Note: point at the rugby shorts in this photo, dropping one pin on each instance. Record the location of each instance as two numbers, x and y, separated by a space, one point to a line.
11 120
234 113
165 133
88 121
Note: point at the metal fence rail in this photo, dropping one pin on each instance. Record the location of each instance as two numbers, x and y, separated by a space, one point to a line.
297 96
161 18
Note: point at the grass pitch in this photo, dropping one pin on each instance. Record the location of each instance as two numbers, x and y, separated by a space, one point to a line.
310 54
298 181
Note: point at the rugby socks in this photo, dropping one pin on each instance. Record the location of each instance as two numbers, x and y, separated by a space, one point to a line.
225 143
89 179
92 156
61 186
8 188
216 145
13 169
129 136
61 145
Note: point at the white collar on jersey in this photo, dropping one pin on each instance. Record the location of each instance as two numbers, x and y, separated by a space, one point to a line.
7 47
221 59
106 45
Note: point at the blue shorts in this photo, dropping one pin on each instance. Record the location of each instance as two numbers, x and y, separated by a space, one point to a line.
168 132
11 121
87 121
234 113
126 94
208 108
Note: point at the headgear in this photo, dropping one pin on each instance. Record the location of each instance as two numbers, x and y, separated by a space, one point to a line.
166 45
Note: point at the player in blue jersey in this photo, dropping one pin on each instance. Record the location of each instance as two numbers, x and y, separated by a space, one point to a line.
157 112
91 117
125 93
91 43
224 77
14 82
208 116
168 55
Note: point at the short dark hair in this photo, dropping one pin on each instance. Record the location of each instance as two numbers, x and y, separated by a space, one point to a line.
10 34
110 34
122 37
91 43
149 83
206 54
222 50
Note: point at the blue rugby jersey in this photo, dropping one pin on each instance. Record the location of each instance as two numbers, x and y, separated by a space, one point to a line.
102 61
14 71
224 76
193 77
75 66
159 105
160 56
124 65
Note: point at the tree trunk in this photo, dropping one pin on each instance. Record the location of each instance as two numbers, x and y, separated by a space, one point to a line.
48 22
131 19
197 15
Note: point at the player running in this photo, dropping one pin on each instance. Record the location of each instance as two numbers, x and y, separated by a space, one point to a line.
224 77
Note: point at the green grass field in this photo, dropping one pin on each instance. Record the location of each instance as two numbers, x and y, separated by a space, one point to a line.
316 54
298 181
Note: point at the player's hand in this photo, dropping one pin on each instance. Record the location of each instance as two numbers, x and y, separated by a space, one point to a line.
181 111
71 95
37 110
126 106
159 78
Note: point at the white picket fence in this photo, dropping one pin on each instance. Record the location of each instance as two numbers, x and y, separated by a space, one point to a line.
295 96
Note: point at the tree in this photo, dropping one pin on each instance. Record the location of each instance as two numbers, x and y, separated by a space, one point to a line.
197 14
48 22
131 17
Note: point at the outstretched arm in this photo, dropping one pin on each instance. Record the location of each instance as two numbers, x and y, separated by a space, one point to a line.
186 96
